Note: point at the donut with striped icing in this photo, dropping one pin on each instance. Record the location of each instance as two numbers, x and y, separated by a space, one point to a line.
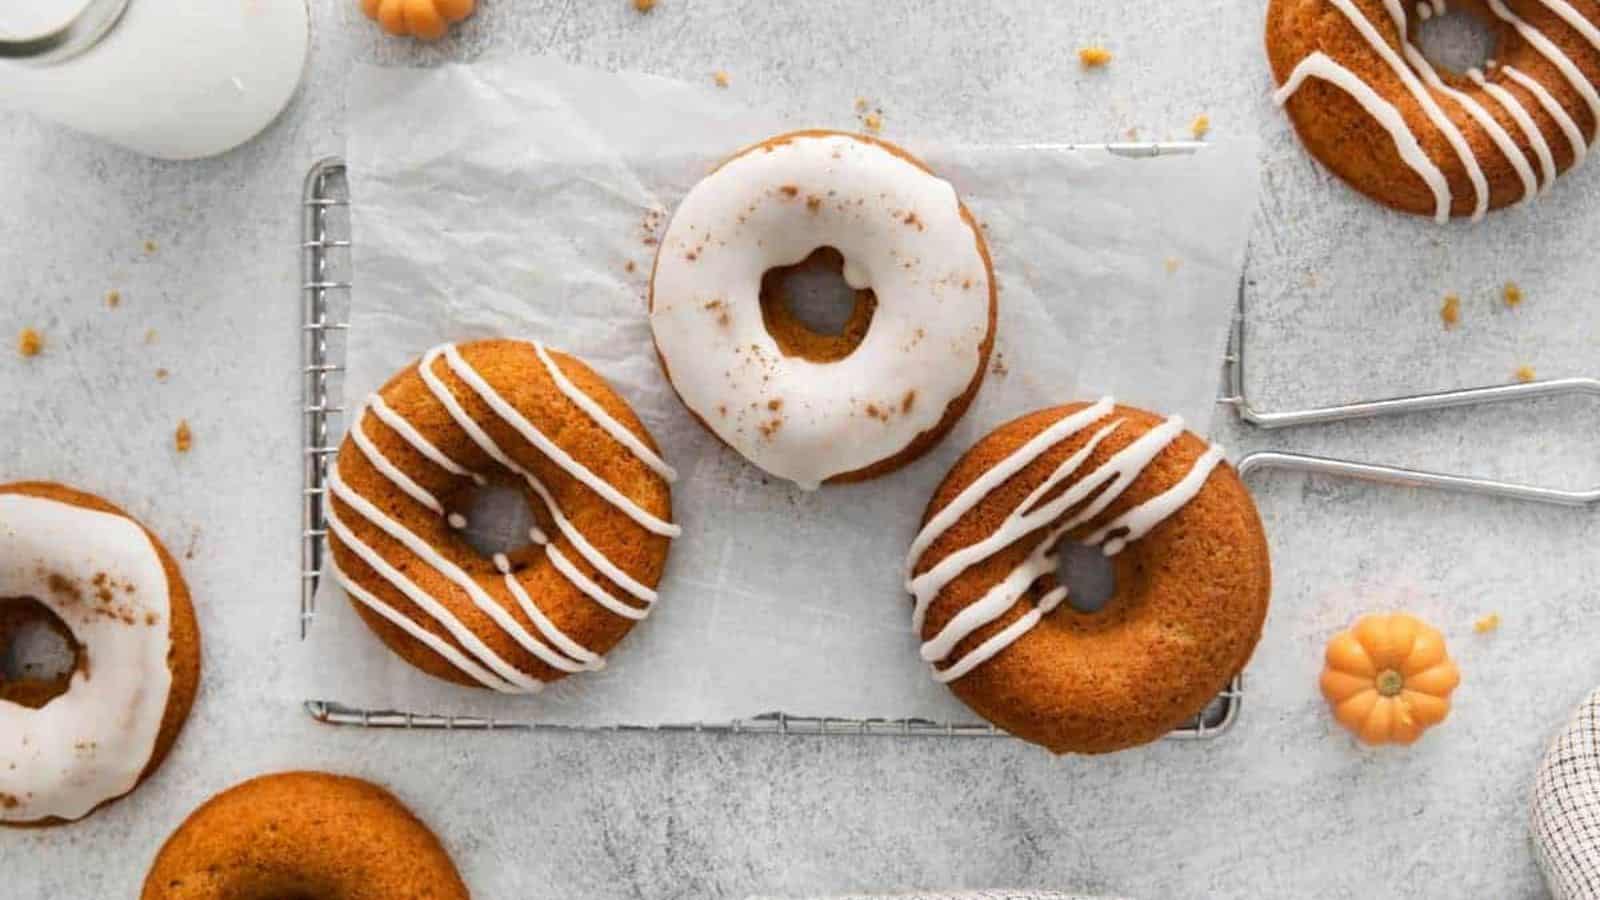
1421 138
515 413
1190 560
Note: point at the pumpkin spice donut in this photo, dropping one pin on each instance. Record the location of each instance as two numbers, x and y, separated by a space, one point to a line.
111 592
543 422
1188 553
303 834
806 406
1424 139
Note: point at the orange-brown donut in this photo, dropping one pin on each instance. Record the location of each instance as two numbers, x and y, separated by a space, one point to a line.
303 834
1528 117
1192 581
604 522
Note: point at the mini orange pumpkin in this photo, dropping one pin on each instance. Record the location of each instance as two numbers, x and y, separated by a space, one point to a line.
1389 678
426 19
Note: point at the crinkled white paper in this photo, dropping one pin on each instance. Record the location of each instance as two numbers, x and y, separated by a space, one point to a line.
514 197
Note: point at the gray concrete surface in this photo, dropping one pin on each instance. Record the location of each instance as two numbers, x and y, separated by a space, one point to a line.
1344 299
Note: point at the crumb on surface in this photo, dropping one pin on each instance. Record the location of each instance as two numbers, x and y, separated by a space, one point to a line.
151 247
1487 623
644 6
1512 294
721 78
29 342
629 267
1201 126
1525 374
873 122
1131 134
1093 57
1450 312
113 298
150 336
183 439
161 374
1172 264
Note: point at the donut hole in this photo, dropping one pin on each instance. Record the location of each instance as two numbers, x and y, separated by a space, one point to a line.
38 653
496 519
812 312
1456 39
1087 572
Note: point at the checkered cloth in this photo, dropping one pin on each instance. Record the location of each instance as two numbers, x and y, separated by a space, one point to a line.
1566 807
958 895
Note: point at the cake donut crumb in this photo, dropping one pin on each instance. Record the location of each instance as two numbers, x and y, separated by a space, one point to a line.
1200 127
30 342
1511 294
1486 624
183 438
1525 374
1093 57
720 78
1450 310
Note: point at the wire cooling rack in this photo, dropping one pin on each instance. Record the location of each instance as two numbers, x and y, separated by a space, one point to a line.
326 280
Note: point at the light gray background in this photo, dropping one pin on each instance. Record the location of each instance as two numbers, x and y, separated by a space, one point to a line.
1345 299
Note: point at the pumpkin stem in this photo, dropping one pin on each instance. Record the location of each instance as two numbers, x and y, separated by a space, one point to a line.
1390 682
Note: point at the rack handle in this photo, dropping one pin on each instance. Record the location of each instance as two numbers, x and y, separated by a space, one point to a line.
1395 475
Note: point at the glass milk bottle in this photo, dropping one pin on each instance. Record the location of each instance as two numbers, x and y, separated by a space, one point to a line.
176 79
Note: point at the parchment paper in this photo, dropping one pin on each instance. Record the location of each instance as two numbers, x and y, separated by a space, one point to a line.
510 197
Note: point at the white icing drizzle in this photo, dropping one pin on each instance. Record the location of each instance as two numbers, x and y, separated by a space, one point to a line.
439 563
518 680
551 449
1411 63
432 641
604 419
480 662
1383 112
441 392
412 436
1547 100
1572 17
1530 129
93 742
1501 138
1560 60
1110 480
1430 107
389 470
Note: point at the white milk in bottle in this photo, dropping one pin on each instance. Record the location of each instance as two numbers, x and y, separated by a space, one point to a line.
176 79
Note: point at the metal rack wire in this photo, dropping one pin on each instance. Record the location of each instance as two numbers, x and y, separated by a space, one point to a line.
325 292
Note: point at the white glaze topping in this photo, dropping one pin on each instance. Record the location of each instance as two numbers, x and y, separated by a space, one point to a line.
551 645
1095 490
1414 64
901 233
91 743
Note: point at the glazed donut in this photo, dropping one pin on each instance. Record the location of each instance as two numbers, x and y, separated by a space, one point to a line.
1190 560
303 834
520 414
1426 140
108 587
801 405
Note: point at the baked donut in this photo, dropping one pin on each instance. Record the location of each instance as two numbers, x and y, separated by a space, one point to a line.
113 593
303 834
1426 140
801 405
517 413
1190 560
